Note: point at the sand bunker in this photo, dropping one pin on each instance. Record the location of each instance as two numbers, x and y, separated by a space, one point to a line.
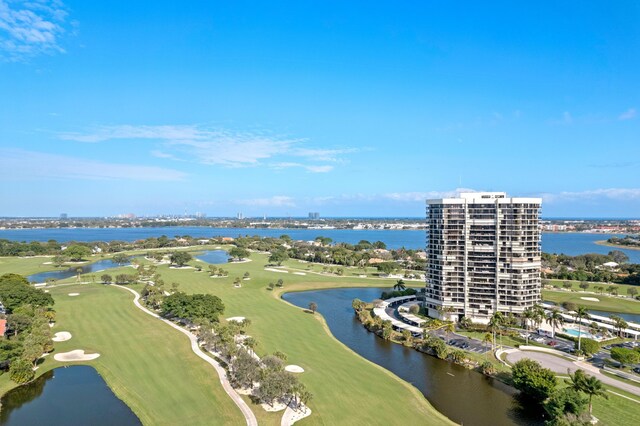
236 319
299 273
276 270
77 355
74 294
277 406
590 299
61 336
294 369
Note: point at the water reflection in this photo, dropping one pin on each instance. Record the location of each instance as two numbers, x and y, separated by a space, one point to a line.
66 396
213 256
100 265
463 395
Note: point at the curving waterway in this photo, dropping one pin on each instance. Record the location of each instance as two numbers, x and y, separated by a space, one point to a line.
74 395
465 396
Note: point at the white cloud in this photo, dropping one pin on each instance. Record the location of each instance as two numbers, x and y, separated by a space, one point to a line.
319 169
310 168
628 114
275 201
217 146
422 196
26 165
619 194
322 154
30 28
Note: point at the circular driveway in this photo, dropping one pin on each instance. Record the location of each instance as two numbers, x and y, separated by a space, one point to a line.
561 365
552 362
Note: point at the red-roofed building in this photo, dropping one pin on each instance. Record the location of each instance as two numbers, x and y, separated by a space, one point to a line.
3 327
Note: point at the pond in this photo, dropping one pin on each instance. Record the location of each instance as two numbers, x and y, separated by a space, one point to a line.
465 396
65 396
215 257
100 265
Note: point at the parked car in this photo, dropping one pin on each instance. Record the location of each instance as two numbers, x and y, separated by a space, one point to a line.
552 343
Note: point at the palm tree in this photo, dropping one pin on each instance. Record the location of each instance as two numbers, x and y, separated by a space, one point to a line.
555 319
589 385
488 338
449 328
527 316
399 285
539 315
465 322
250 343
593 387
496 321
581 312
619 323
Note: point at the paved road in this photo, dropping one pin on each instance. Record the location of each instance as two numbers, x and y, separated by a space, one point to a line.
246 411
561 365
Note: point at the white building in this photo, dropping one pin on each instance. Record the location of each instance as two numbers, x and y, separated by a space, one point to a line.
483 255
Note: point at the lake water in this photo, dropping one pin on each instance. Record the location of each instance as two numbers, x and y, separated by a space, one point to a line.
100 265
627 317
567 243
215 257
66 396
463 395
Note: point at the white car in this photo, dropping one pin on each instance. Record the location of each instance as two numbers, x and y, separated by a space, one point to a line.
539 339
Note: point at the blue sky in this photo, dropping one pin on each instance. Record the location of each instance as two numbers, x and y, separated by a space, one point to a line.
345 108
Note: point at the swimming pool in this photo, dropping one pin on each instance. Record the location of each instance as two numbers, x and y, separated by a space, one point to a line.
575 333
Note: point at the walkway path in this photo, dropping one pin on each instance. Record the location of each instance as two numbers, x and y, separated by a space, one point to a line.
291 416
561 365
246 411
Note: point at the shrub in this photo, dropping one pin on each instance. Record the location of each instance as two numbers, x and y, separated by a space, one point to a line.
589 346
488 369
21 371
534 381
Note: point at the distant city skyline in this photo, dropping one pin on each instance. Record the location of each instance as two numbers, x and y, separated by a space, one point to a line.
350 109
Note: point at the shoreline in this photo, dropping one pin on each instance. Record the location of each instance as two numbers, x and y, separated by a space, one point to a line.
414 390
607 244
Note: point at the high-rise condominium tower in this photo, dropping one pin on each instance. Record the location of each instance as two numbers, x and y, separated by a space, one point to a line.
483 255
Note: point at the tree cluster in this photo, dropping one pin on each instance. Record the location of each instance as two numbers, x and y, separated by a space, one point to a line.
192 306
563 405
28 332
588 267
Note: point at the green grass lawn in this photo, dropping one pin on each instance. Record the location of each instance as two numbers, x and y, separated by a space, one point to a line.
606 303
617 410
146 363
25 265
151 367
347 388
575 285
